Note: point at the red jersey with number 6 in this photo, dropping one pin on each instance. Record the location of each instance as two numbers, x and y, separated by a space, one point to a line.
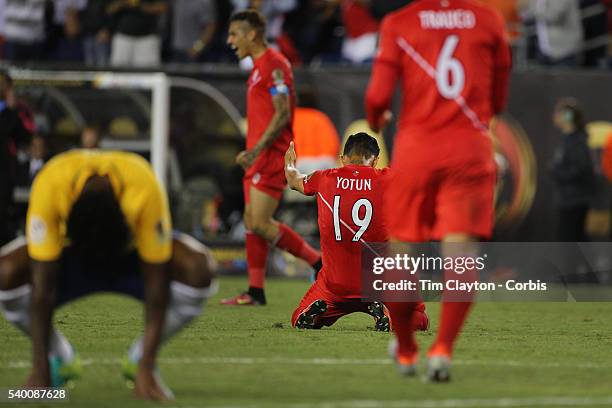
350 204
453 60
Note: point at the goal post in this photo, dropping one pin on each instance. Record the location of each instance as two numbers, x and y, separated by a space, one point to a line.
157 83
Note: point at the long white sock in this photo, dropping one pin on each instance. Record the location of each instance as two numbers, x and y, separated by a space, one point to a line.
185 304
15 306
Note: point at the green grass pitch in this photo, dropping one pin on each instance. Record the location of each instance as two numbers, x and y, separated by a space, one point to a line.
510 354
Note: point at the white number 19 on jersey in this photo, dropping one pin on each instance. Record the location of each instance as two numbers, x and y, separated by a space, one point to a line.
362 223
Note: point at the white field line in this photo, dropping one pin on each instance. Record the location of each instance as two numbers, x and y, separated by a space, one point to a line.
325 361
450 403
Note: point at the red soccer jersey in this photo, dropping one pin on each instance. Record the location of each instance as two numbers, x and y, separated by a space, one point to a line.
262 85
350 204
453 61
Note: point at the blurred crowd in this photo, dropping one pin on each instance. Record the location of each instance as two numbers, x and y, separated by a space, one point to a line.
145 33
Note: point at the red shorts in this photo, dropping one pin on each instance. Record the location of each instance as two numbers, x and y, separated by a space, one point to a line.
433 193
267 175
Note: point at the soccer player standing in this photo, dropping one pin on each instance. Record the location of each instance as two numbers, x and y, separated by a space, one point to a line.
270 107
453 61
350 201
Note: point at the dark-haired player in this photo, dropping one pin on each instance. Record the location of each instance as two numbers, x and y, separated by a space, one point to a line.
453 61
350 201
270 106
99 222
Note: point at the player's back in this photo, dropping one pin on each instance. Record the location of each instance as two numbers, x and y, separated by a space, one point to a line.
350 204
61 180
69 171
448 51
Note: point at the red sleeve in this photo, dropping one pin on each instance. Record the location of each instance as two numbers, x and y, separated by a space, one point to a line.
502 65
312 182
385 73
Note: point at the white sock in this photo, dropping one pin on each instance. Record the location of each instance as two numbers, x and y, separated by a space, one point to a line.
185 304
15 306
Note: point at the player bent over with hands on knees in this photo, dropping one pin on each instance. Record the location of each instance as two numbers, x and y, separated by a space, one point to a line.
337 290
99 222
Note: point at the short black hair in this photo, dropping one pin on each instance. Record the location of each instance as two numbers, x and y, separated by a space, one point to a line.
253 18
97 229
361 144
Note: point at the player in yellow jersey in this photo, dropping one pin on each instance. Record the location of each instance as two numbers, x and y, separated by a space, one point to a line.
99 221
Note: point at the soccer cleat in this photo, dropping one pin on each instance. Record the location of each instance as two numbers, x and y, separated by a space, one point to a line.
243 299
129 369
306 319
438 368
380 313
63 372
405 365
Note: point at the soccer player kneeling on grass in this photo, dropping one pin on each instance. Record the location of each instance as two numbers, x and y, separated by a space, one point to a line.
99 222
349 199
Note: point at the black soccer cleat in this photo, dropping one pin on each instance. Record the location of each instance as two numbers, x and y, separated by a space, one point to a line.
306 319
379 312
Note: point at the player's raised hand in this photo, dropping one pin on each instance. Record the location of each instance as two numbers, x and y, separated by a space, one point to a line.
290 156
149 386
384 121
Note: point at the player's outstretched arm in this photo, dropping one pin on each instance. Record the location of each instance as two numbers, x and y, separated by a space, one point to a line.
44 284
148 384
295 179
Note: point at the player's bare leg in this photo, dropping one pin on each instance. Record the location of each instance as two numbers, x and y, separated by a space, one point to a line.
15 295
262 230
453 314
192 272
